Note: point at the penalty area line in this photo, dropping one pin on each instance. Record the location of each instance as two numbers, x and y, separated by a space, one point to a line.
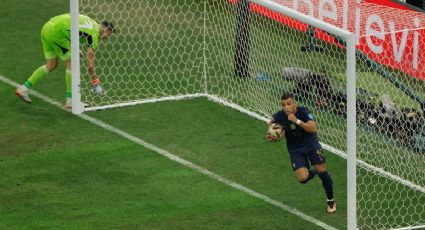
178 159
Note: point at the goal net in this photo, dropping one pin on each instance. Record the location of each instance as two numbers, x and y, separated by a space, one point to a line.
244 55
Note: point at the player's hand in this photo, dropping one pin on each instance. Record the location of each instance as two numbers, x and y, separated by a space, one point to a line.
292 118
97 88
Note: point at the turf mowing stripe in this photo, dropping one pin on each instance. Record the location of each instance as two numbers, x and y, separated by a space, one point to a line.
175 158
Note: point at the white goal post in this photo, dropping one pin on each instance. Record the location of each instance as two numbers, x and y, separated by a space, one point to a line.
244 54
349 38
77 107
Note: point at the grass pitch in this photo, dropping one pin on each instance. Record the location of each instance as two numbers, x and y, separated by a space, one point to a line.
63 172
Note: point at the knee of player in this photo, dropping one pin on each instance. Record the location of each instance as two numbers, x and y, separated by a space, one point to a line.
51 65
320 168
303 179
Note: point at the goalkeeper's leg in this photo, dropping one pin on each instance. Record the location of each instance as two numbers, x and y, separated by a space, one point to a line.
23 90
68 100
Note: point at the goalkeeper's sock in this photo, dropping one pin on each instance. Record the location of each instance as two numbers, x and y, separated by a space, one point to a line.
68 103
327 184
36 76
68 83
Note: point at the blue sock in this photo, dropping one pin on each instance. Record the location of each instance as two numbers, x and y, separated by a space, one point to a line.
327 184
311 174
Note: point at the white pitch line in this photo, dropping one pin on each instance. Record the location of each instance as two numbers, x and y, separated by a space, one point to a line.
178 159
410 228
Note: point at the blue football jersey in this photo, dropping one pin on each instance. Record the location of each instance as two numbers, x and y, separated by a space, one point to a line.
297 139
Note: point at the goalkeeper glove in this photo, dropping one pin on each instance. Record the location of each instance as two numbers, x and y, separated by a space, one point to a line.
96 86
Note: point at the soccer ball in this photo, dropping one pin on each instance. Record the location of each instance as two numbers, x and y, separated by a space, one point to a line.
275 130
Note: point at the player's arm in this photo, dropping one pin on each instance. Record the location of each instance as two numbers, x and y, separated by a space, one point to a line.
92 70
90 64
310 126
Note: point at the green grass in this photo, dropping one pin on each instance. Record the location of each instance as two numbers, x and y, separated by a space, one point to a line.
62 172
73 175
82 177
70 174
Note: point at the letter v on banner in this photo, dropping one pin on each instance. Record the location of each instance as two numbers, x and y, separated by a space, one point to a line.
398 48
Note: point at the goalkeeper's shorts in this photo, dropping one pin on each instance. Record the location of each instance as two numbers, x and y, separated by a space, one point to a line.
55 44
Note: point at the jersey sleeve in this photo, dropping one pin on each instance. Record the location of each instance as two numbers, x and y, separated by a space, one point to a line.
94 35
94 42
87 38
307 115
89 31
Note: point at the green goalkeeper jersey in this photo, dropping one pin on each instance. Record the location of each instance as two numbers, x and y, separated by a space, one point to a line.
58 30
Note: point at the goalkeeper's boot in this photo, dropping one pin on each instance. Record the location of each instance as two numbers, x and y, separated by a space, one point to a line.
68 103
331 207
23 93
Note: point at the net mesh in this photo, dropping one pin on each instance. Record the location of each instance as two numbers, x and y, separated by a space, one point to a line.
390 93
166 48
157 50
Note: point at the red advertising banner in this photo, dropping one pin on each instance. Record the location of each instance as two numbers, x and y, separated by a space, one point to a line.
394 37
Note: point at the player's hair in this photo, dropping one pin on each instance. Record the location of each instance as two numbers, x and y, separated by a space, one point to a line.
108 25
286 96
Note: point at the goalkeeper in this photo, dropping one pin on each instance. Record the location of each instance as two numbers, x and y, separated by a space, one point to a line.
56 40
300 131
